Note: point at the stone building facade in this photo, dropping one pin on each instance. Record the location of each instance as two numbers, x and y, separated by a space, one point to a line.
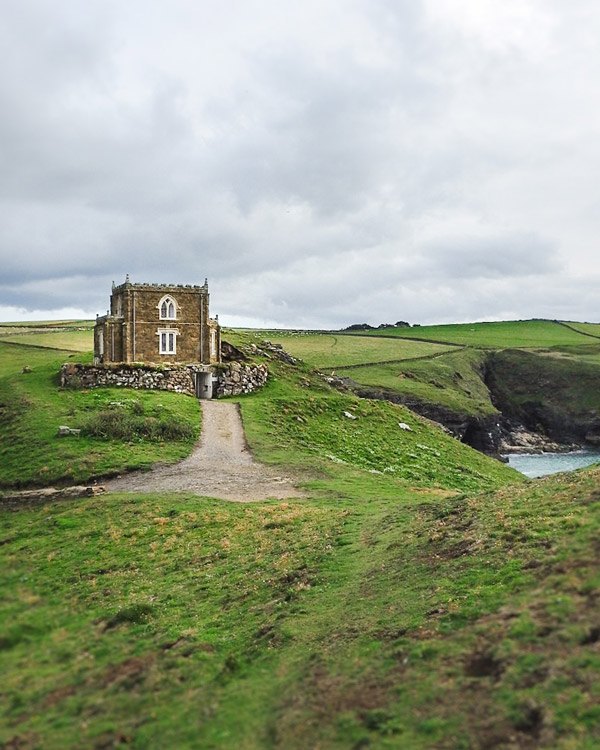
157 323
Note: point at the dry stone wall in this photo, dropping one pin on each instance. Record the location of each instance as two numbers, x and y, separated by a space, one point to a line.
236 378
232 379
178 379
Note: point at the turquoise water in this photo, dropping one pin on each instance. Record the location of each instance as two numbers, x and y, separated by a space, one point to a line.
542 464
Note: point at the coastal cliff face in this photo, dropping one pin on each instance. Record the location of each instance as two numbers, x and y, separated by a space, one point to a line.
538 401
555 395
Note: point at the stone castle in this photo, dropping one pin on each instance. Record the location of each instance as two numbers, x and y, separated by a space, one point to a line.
162 337
159 324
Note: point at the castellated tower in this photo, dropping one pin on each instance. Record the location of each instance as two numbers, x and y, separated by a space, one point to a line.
160 324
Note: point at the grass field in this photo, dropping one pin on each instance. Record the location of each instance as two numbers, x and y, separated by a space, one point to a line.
589 328
421 595
369 615
65 335
32 406
72 341
505 334
48 324
331 351
454 381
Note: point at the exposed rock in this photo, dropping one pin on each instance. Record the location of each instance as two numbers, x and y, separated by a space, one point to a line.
404 426
26 370
348 415
17 498
278 352
518 439
230 353
64 431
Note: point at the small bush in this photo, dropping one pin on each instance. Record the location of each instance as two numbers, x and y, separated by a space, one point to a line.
115 423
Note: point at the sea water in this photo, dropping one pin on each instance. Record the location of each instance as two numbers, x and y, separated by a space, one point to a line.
540 464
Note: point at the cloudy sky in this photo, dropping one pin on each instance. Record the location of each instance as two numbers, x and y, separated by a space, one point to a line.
322 162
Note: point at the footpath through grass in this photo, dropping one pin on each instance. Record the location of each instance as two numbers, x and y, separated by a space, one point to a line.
368 616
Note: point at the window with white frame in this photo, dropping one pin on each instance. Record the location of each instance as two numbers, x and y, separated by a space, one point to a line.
168 308
167 341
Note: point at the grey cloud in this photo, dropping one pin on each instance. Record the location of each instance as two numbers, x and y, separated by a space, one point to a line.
502 256
321 163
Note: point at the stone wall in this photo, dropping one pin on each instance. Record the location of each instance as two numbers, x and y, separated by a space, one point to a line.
236 378
232 379
177 379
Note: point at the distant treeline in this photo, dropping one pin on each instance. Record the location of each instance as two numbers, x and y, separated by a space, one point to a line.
367 327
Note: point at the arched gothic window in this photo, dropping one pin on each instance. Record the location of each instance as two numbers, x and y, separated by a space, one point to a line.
168 308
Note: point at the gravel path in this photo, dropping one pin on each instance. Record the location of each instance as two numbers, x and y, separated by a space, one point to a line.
220 466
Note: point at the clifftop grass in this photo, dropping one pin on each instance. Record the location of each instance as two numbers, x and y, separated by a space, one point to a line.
311 422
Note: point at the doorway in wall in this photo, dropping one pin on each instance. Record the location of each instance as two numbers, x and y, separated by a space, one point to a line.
204 384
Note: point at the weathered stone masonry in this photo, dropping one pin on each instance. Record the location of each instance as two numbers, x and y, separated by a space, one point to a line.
232 379
157 323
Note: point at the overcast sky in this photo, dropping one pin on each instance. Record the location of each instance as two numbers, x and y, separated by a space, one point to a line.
322 162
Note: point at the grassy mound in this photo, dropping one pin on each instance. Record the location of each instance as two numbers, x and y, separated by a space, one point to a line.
311 422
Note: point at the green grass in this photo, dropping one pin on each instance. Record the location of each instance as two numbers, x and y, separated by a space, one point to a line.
32 407
308 421
589 328
330 351
453 381
420 596
48 324
375 616
74 341
500 335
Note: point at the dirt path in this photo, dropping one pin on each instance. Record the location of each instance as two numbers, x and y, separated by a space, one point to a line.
220 466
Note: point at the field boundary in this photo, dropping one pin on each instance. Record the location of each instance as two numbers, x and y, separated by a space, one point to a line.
41 346
576 330
435 355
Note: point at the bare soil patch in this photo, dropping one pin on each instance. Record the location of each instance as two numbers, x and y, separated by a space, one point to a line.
220 466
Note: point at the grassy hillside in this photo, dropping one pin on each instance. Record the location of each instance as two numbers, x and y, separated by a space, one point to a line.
592 329
511 334
369 615
329 351
135 425
454 381
296 418
420 595
74 336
